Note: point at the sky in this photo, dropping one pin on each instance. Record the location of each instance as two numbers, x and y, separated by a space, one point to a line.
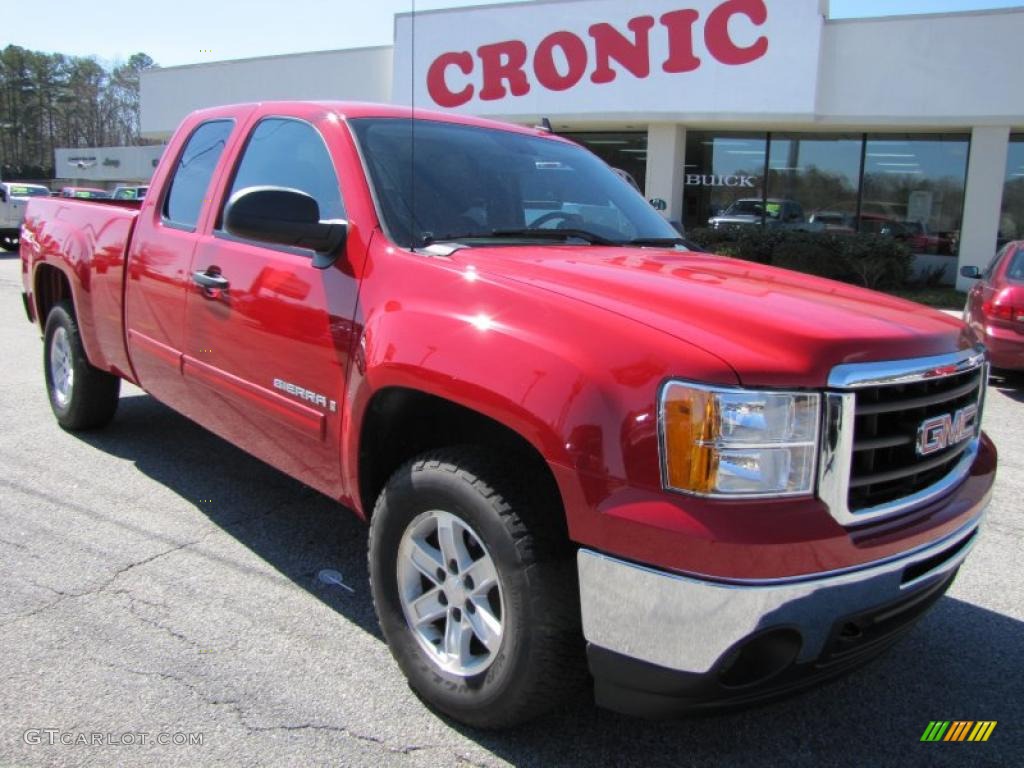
206 30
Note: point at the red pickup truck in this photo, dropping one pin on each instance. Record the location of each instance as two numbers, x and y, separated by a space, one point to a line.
577 443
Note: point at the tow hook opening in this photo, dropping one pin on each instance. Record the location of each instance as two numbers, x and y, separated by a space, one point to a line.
850 631
760 658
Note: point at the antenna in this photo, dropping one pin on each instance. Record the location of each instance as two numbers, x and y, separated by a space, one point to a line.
412 127
545 125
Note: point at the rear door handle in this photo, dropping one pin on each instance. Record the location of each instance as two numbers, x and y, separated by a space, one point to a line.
211 281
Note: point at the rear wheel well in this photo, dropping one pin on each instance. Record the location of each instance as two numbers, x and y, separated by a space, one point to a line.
401 423
51 286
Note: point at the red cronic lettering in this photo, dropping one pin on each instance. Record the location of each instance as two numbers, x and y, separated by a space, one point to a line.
544 67
501 62
634 55
680 41
716 32
437 85
561 59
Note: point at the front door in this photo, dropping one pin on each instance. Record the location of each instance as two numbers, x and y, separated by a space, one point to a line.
268 334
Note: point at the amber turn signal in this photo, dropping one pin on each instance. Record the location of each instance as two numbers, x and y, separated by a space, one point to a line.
690 417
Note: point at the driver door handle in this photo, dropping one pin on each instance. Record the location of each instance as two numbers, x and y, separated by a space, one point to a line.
210 281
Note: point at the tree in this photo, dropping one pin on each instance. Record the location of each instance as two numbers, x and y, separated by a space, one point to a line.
50 100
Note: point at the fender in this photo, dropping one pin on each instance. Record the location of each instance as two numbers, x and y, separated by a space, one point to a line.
577 382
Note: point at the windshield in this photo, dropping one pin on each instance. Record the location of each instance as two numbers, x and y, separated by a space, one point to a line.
745 208
24 190
465 181
773 209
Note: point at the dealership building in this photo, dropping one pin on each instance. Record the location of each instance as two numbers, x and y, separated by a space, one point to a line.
911 126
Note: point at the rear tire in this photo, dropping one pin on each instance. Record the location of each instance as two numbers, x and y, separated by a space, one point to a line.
81 396
530 655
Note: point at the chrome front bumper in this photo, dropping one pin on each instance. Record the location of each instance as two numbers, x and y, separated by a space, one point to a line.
687 624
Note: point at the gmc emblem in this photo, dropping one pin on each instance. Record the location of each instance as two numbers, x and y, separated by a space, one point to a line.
943 431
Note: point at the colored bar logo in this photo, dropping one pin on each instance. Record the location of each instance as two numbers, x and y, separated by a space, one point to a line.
959 730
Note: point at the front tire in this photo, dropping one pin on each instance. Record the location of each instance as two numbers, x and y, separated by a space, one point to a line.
81 396
475 588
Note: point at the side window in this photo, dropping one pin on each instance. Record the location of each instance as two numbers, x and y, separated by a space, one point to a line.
991 268
290 153
1015 271
191 178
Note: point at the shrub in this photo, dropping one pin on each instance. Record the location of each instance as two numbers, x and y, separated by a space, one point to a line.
871 261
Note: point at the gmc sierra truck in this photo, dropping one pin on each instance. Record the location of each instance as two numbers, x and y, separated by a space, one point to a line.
579 446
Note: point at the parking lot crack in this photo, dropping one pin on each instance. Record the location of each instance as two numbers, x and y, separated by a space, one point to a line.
470 761
15 544
235 707
63 596
343 730
133 608
233 704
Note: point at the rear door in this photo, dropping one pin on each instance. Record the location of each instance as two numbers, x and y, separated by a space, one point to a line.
266 355
159 257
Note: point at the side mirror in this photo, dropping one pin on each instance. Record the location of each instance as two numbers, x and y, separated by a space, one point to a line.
3 195
973 273
285 217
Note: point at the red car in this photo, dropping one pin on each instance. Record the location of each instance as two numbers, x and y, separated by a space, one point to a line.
995 306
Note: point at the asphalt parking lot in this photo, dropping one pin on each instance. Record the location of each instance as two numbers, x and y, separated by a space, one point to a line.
156 580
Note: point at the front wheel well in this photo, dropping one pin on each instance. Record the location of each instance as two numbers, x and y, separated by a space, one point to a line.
401 423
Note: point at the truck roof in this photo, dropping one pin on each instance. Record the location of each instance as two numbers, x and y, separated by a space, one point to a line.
357 109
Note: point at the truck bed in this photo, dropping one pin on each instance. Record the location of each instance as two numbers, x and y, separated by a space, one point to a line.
91 238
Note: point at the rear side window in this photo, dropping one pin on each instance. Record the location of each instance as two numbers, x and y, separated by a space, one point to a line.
191 178
991 268
1015 270
290 153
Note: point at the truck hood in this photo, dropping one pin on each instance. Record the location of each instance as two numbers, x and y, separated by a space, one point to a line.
772 326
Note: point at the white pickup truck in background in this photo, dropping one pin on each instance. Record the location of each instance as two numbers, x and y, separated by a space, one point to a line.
13 200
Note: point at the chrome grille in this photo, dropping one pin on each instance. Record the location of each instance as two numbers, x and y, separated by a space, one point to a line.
870 466
886 465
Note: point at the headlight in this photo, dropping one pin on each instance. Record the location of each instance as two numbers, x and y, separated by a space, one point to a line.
729 443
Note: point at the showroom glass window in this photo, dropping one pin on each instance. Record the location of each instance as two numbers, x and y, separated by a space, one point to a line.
910 187
724 174
913 189
626 151
814 179
1011 218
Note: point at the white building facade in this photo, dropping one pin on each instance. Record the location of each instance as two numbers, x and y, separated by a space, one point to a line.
908 126
107 164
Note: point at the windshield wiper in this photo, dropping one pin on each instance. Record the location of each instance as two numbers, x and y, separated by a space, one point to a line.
429 238
536 233
531 233
664 242
556 234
